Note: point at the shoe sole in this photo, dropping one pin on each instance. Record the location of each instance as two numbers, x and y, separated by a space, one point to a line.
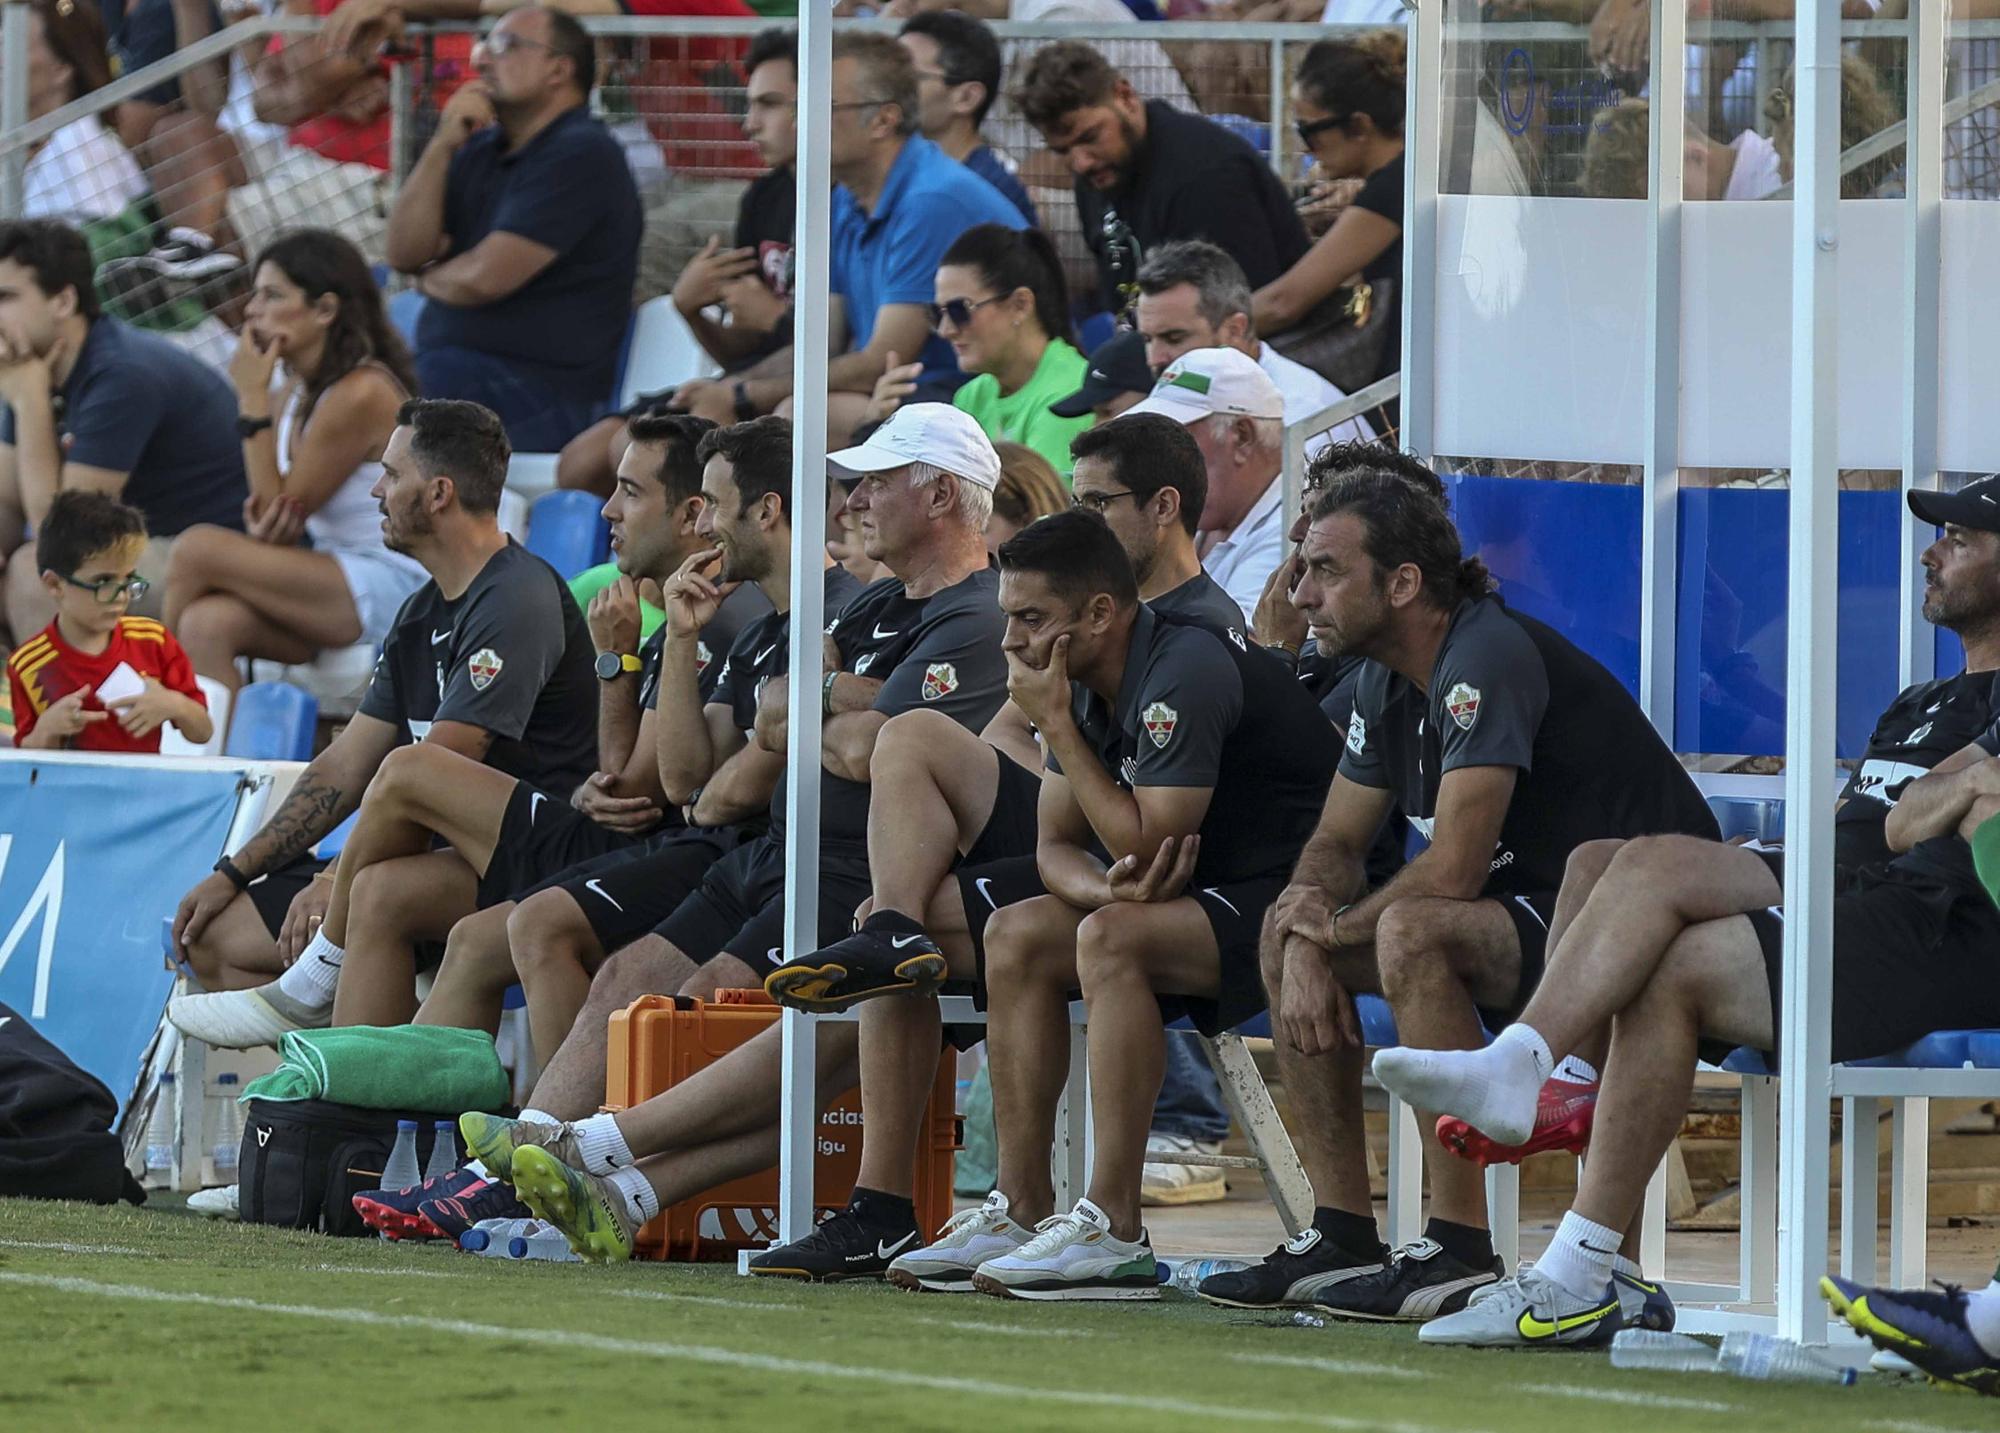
497 1156
1222 1303
395 1225
547 1195
1572 1136
918 1284
806 987
810 1276
1074 1293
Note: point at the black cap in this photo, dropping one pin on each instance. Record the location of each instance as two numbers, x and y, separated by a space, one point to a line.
1976 505
1117 366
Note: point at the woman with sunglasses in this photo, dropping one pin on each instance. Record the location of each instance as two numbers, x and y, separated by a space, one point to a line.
1003 306
1348 101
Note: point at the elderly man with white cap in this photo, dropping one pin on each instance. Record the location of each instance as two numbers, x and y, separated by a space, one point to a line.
1237 416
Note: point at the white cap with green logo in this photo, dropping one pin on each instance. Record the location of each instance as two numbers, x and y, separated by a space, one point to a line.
1209 381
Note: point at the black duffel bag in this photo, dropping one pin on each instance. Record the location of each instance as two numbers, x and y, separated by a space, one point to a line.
303 1161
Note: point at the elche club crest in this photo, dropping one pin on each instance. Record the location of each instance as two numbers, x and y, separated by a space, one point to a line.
1160 720
484 666
1462 701
940 680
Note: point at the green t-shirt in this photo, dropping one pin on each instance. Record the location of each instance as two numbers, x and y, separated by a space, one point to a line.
1023 416
593 580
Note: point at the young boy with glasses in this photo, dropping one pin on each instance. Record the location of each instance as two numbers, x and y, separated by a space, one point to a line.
97 678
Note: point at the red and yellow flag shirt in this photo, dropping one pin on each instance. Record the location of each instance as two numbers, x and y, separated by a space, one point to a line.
45 669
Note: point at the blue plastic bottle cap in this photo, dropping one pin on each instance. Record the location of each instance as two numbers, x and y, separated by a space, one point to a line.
410 1125
228 1079
473 1240
517 1247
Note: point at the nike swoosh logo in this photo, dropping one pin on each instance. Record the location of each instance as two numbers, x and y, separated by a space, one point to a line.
1212 891
437 637
1534 1328
881 635
593 885
982 883
775 955
899 941
6 1019
884 1249
535 804
758 660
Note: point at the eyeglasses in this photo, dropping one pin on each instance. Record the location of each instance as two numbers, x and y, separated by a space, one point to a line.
959 311
110 589
857 104
505 42
1307 130
1098 502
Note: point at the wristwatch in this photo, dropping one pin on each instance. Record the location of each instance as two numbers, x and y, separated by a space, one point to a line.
229 869
248 427
613 665
745 409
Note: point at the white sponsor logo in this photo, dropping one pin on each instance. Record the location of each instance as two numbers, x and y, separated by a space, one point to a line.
984 885
418 729
758 660
6 1020
1884 781
882 636
593 885
899 941
444 636
1357 734
1212 892
535 800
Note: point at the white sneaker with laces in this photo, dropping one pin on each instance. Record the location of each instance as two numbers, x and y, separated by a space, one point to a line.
1073 1256
242 1019
973 1236
1181 1183
1528 1310
217 1203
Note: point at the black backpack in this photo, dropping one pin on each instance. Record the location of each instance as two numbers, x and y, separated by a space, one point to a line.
55 1124
303 1161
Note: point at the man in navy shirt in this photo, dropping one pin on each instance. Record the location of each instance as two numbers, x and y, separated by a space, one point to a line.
93 404
522 224
958 78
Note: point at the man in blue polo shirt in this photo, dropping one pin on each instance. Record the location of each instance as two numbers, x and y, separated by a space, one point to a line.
91 403
522 224
898 203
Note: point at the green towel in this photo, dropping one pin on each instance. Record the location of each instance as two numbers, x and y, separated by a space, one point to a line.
402 1067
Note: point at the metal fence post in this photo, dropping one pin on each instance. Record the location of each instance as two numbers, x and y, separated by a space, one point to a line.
13 102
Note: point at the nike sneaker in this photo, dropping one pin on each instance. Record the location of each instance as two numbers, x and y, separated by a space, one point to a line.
494 1140
865 966
452 1214
590 1213
1929 1329
1529 1311
1292 1274
398 1213
220 1203
946 1265
842 1247
1175 1184
1073 1256
244 1019
1642 1303
1421 1281
1563 1114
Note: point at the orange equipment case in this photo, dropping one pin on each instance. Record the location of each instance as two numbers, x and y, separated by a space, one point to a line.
660 1040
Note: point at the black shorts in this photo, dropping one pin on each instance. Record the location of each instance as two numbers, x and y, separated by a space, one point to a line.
541 835
272 895
1010 826
740 905
1531 912
1911 955
624 894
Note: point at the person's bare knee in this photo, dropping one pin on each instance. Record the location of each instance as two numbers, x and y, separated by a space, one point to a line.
648 966
1110 957
1588 863
547 932
1025 947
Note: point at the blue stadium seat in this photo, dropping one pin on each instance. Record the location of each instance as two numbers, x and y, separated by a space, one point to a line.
405 309
1982 1048
1378 1026
1255 132
273 722
330 844
566 529
1095 331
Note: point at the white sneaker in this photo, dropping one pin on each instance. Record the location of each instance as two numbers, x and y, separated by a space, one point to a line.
1894 1364
1182 1183
243 1019
216 1203
1073 1256
973 1236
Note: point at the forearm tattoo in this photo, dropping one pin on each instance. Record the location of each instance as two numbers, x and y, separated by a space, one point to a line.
312 808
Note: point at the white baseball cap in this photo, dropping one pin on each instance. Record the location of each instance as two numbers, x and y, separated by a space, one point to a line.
934 433
1208 381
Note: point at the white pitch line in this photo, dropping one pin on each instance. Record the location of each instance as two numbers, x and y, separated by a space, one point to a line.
1631 1396
982 1326
792 1368
68 1248
1326 1365
707 1299
389 1273
759 1306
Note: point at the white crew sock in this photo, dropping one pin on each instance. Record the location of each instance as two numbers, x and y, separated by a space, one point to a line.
1581 1258
1628 1267
1494 1090
478 1169
1577 1072
1982 1316
532 1116
315 975
601 1144
640 1199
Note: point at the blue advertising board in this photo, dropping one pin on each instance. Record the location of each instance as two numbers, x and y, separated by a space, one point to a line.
91 857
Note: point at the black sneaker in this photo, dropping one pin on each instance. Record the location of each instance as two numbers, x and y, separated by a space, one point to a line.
1421 1282
1291 1274
864 966
844 1247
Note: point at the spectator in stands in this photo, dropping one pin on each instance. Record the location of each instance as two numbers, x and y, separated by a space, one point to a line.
899 204
923 485
1004 308
95 404
957 63
313 433
521 224
1193 295
88 549
393 890
1677 944
844 543
1029 488
1236 415
1117 378
1512 749
489 659
1147 174
1616 159
82 172
1347 106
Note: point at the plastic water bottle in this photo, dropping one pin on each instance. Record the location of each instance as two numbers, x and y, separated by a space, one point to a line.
1767 1358
548 1245
160 1131
444 1150
491 1236
1671 1352
1190 1272
228 1128
401 1172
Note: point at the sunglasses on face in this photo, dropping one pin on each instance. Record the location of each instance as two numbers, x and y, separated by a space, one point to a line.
1308 130
958 311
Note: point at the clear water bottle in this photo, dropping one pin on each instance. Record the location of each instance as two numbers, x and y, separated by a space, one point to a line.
1671 1352
1190 1272
1769 1359
444 1150
491 1236
160 1132
227 1122
548 1244
401 1172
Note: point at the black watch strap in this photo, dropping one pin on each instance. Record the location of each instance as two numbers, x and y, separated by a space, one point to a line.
248 427
236 877
745 409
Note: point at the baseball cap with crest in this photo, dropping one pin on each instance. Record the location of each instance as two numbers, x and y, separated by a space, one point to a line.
1976 505
934 433
1207 382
